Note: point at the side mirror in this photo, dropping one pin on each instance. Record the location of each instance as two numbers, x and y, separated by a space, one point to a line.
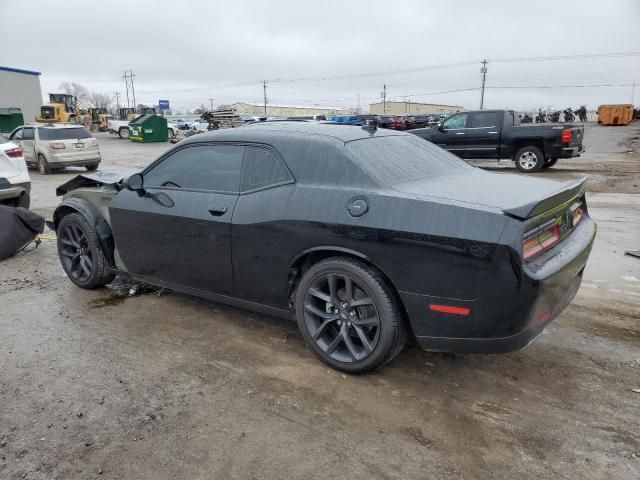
135 183
440 127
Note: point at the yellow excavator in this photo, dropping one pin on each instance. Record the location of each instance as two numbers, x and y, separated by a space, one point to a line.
60 109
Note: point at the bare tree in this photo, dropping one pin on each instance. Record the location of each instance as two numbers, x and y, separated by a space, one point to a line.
100 100
79 93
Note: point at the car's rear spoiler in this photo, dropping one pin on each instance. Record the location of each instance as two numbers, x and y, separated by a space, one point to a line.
567 191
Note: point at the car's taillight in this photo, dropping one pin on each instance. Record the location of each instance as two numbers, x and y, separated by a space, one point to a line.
566 135
57 146
14 152
540 239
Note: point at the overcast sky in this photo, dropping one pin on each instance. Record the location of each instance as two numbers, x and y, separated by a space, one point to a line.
188 51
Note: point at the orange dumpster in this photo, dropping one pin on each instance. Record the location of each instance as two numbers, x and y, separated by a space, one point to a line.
615 114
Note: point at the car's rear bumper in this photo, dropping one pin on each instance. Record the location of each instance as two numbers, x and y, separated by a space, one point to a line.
79 161
568 152
552 283
14 190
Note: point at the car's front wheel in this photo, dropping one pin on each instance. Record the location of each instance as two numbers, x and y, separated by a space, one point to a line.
529 159
91 167
123 133
348 315
80 253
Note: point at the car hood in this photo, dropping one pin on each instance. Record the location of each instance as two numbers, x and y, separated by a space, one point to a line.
97 179
515 195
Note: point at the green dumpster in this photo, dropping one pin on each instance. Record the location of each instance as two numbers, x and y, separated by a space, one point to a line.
10 118
148 128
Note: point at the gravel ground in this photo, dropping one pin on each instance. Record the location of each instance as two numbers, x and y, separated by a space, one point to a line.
94 384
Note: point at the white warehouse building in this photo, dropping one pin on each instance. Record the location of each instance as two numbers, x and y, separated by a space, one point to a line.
21 89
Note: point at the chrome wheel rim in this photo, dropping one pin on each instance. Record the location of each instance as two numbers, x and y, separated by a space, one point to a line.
528 160
341 317
75 252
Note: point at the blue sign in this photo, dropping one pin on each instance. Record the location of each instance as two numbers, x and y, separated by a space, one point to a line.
163 104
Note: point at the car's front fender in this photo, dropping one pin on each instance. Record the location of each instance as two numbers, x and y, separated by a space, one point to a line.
95 219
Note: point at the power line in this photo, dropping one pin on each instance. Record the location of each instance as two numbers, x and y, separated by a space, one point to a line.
561 86
565 57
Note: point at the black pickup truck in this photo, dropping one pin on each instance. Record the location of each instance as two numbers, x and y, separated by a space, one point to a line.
498 134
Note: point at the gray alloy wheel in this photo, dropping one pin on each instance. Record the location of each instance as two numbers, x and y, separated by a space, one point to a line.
43 165
80 253
123 133
529 159
348 315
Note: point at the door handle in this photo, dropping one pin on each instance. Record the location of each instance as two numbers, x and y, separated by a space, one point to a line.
459 133
218 210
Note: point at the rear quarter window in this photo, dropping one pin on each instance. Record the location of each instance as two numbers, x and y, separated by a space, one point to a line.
262 169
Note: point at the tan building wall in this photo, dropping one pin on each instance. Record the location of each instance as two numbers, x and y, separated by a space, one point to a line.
402 108
285 110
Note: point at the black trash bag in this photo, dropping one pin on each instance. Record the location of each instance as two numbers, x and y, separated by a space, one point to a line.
18 228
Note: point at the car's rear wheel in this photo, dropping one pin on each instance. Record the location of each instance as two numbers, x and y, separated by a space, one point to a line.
529 159
91 167
348 315
80 253
123 133
550 163
43 165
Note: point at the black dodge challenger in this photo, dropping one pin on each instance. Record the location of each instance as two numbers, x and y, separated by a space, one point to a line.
364 236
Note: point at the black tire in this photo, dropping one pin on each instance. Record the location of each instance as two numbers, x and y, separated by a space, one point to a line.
550 163
23 201
123 133
91 167
43 165
77 241
529 159
338 337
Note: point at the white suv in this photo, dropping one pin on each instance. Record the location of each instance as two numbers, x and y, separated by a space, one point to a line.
52 146
15 183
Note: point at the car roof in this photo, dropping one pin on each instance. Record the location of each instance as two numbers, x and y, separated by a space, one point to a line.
286 129
53 125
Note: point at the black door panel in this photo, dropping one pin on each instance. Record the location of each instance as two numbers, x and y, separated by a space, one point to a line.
183 243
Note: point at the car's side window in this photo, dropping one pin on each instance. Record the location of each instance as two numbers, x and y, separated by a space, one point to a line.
262 169
27 134
455 122
203 167
17 135
484 120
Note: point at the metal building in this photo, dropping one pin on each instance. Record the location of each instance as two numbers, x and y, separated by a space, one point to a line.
21 88
256 109
404 108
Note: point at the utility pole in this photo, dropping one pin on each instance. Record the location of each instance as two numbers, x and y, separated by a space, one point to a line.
211 104
117 95
633 92
128 84
384 99
483 71
264 87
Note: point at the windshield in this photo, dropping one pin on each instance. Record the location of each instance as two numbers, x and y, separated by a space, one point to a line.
392 160
63 133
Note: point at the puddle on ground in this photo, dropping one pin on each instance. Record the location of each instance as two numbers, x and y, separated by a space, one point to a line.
120 290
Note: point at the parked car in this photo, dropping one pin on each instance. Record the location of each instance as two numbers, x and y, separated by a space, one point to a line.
53 146
181 124
121 128
410 122
498 134
385 121
15 183
367 236
399 122
421 121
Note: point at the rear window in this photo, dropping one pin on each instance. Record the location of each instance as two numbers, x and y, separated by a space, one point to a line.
392 160
63 133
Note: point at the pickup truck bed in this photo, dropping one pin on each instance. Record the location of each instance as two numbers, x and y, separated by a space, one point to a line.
498 134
